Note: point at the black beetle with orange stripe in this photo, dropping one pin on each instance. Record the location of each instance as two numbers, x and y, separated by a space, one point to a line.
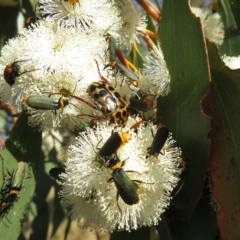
42 102
31 20
111 47
12 71
11 192
125 186
159 139
132 77
113 143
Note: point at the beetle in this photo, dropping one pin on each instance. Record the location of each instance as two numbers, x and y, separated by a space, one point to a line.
43 102
32 19
185 166
159 139
214 6
132 77
73 2
112 145
56 171
126 188
112 103
137 106
11 72
111 47
11 192
148 98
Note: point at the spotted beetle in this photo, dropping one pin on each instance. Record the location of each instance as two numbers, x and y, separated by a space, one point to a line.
111 102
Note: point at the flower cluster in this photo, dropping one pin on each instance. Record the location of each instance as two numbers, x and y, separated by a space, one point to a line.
68 49
86 185
67 69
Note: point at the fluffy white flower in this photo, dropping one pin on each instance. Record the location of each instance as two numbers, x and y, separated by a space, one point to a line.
232 62
56 48
50 49
131 18
156 75
87 15
87 177
75 114
212 25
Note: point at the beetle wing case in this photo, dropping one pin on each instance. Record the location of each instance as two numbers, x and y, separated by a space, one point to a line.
125 187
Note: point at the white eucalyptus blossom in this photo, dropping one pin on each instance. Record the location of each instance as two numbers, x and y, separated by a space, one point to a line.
131 18
156 77
232 62
87 178
75 114
86 15
12 53
212 24
56 48
46 49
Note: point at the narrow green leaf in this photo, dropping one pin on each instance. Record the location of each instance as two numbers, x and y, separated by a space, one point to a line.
231 44
23 144
235 6
222 104
185 55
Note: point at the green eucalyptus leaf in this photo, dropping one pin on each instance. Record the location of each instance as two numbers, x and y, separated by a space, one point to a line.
23 144
235 6
231 44
222 105
185 54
